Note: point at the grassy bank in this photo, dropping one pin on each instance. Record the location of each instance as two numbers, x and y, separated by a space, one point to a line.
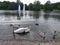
56 10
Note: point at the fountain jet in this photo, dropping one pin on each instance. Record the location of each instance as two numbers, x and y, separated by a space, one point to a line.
19 8
24 9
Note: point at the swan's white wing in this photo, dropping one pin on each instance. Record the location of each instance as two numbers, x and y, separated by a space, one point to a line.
20 30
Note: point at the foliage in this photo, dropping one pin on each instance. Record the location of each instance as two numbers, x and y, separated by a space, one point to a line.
36 6
52 6
6 5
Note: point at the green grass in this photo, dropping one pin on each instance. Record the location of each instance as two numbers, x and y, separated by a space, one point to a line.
56 10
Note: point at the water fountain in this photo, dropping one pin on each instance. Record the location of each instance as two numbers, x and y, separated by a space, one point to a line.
19 10
24 9
24 16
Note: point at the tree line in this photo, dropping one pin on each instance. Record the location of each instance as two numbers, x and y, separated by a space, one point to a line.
36 6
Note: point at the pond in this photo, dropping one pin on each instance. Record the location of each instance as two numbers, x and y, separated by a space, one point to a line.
40 21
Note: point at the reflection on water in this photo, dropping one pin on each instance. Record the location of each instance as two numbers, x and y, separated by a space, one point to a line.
9 13
36 14
47 22
46 16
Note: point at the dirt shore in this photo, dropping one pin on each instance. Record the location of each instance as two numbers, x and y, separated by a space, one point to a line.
27 42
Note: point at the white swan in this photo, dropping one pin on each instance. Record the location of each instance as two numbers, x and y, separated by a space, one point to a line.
22 30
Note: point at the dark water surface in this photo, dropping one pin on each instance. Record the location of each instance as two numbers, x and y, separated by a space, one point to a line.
40 22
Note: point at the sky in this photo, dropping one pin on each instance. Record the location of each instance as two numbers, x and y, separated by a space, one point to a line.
31 1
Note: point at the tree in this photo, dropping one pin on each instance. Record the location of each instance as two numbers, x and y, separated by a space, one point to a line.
30 6
48 6
36 6
26 7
